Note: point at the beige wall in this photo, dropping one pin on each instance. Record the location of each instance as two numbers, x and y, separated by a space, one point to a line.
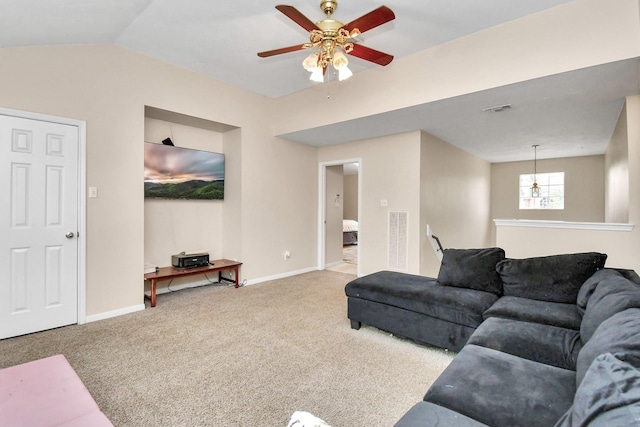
351 197
390 170
334 213
232 229
617 174
435 182
583 186
108 87
454 197
632 111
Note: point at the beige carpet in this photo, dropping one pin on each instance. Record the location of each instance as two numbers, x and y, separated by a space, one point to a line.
220 356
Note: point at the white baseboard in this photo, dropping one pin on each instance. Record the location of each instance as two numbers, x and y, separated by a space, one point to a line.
114 313
280 276
334 264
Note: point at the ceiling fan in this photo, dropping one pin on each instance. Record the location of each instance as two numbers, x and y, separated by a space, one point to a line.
332 39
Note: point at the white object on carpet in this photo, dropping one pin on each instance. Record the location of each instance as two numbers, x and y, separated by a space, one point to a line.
305 419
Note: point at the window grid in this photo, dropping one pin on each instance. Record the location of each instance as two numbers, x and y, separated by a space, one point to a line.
551 191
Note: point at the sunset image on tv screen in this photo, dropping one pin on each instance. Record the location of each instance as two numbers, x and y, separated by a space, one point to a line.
181 173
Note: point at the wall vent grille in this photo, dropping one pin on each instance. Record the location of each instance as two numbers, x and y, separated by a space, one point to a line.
398 240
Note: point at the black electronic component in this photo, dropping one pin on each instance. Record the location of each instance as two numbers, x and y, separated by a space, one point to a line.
190 260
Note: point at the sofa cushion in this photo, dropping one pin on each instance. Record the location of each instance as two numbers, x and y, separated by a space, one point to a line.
618 335
425 414
555 278
502 390
471 268
589 286
528 310
608 396
611 296
540 343
422 295
629 274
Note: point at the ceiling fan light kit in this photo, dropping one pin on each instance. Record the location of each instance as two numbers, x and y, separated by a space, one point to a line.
331 40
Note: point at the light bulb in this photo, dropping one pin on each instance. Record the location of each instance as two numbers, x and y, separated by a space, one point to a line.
339 60
344 73
311 62
340 63
317 75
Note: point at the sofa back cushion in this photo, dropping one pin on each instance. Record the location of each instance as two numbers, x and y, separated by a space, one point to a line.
472 269
555 278
589 286
609 395
612 295
618 335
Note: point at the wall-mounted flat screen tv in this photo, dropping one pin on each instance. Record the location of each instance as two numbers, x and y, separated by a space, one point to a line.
172 172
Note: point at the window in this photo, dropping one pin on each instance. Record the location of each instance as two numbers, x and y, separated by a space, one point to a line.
551 191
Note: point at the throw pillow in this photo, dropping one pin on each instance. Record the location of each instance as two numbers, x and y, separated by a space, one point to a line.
608 396
555 278
618 335
472 269
611 296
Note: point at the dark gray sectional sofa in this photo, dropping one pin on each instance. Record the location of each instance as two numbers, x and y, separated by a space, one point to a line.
547 341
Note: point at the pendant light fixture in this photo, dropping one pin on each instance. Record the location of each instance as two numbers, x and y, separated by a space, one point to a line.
535 190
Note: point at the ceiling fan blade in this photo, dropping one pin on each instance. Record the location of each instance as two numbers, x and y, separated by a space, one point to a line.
371 20
296 16
372 55
280 51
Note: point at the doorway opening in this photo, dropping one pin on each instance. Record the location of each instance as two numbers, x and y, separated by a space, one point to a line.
339 216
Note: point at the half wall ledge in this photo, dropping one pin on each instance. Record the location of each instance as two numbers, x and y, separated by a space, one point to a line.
601 226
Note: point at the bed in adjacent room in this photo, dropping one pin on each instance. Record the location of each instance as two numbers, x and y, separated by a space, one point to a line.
349 232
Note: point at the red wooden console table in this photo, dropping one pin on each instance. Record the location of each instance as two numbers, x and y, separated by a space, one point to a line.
168 273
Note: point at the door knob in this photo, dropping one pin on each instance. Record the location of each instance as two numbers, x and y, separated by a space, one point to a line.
69 235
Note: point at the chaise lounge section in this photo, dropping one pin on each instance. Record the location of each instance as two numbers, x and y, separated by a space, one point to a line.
417 307
442 312
559 344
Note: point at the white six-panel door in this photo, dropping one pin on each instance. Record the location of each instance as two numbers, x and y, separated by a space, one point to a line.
38 225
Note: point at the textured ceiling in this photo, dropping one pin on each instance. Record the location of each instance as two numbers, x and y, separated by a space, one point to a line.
221 39
570 114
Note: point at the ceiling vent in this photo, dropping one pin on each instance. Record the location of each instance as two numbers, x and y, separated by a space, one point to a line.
497 108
